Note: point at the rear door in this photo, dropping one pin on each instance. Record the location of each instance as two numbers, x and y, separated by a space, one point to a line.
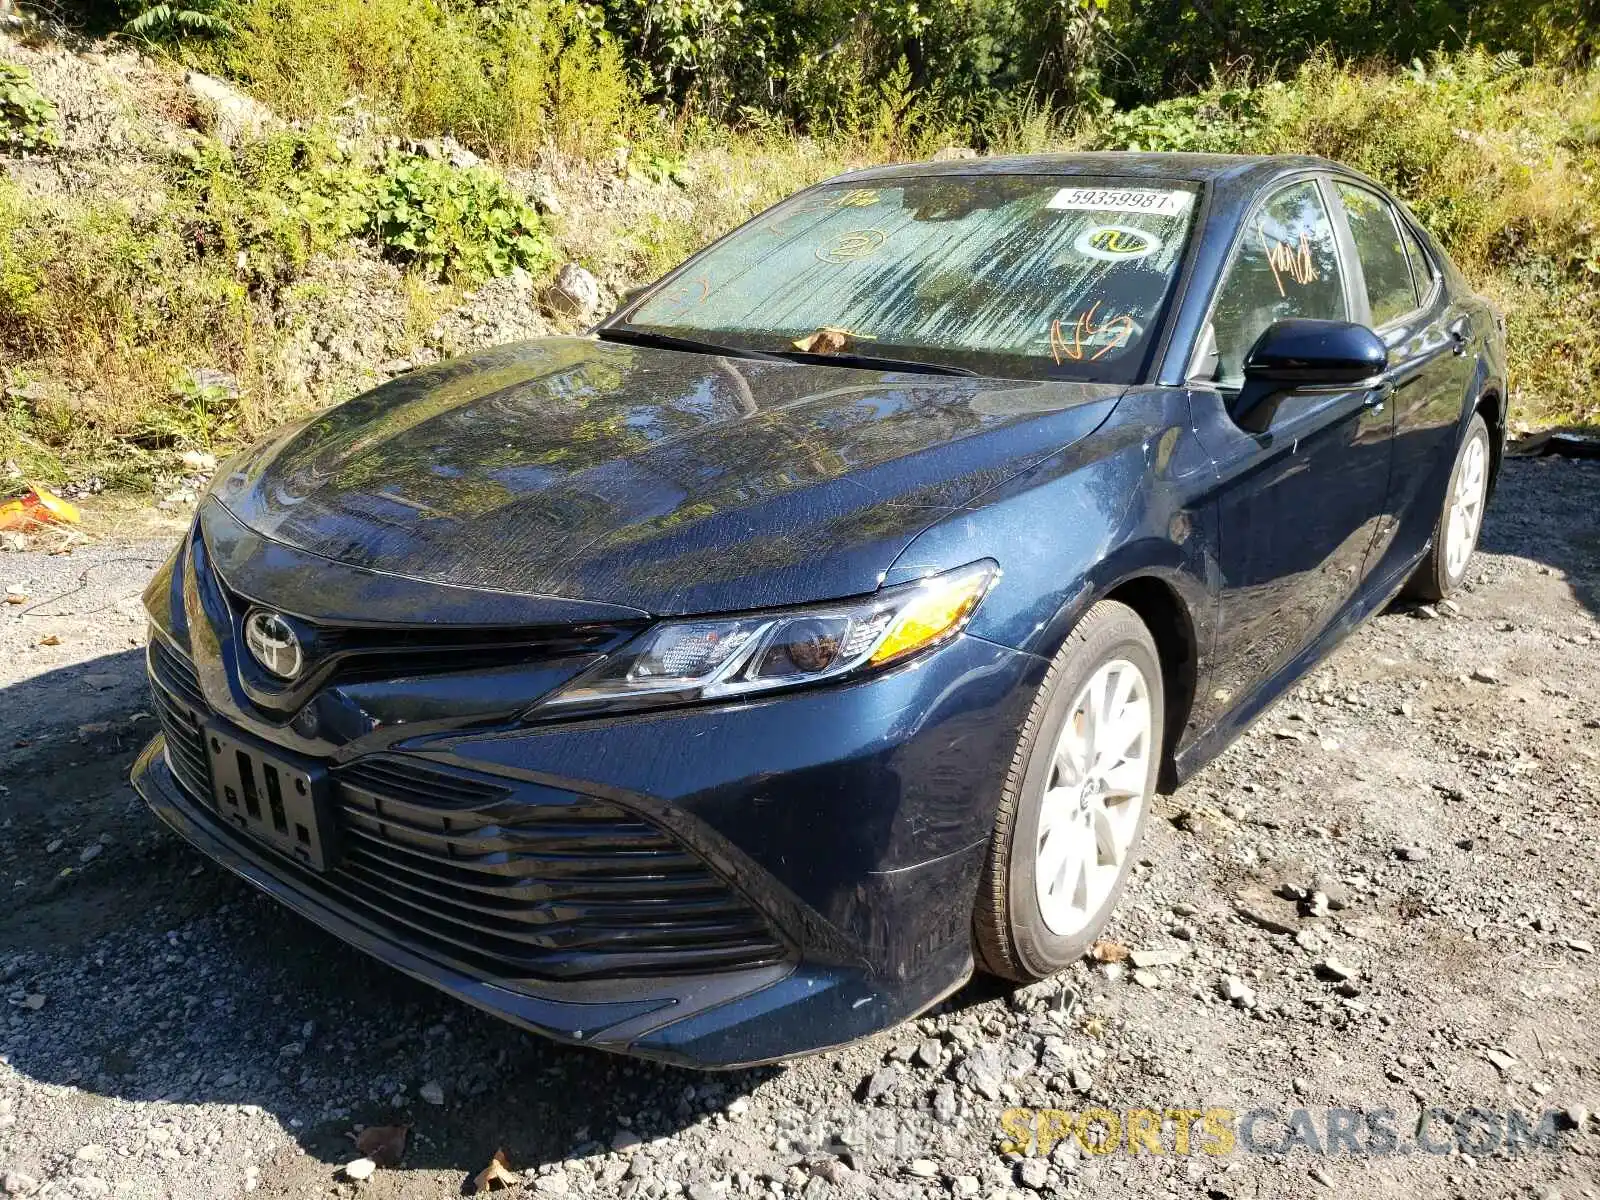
1403 297
1297 504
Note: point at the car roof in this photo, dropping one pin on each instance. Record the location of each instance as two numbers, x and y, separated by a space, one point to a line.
1244 172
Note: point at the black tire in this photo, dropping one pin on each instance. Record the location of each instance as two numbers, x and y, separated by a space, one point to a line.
1433 579
1010 936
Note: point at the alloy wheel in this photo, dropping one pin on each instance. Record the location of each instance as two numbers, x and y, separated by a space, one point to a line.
1094 796
1466 507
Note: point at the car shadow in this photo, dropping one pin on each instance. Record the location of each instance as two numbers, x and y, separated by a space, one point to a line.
1532 516
166 978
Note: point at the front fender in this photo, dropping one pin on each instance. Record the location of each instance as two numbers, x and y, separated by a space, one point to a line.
1127 502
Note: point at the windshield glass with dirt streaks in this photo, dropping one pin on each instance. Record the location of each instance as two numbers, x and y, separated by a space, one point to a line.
1026 276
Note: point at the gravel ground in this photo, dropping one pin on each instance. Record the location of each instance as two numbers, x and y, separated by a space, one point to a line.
1384 896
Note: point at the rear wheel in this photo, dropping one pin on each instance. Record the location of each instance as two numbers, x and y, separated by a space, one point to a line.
1455 534
1075 802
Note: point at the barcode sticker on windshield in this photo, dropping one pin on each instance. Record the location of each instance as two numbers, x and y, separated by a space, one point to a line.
1159 201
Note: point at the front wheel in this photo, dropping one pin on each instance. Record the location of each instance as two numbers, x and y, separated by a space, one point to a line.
1075 802
1455 534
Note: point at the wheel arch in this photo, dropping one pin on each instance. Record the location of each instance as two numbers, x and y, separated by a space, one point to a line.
1491 407
1172 626
1176 607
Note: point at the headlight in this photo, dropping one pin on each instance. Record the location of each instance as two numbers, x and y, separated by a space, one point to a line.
715 658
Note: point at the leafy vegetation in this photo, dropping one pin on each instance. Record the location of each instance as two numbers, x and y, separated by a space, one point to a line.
130 330
27 119
1500 161
103 313
457 223
163 22
821 63
272 204
500 76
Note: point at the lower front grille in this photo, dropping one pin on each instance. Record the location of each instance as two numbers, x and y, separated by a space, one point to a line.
178 700
506 878
554 884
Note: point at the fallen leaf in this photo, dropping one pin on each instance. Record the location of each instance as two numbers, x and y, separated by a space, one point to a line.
1108 951
50 639
383 1144
827 340
497 1173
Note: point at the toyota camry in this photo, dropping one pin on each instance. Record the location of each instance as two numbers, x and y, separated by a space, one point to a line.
735 680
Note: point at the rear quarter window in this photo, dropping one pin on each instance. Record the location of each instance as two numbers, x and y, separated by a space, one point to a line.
1385 263
1422 265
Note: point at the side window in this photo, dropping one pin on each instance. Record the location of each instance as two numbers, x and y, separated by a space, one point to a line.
1422 268
1390 291
1286 265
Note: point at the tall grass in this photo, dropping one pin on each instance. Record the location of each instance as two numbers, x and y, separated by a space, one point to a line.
1504 168
507 79
104 315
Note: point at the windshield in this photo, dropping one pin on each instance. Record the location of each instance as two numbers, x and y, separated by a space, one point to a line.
1028 276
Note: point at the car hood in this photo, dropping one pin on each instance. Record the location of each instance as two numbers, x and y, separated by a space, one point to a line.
660 481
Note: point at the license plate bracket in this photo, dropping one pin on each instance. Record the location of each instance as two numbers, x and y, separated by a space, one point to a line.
273 799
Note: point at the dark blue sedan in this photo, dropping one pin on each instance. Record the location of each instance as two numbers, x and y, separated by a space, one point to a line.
734 682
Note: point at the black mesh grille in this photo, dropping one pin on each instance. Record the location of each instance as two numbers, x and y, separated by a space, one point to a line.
179 703
360 653
175 672
538 884
565 887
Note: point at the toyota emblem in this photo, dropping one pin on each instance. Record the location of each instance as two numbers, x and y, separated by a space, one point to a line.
274 644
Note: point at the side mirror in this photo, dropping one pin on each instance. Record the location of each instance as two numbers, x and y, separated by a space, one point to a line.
1300 353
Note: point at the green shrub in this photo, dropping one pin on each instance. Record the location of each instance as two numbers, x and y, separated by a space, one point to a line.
1485 153
268 206
271 204
27 119
457 223
504 76
156 21
1220 120
199 413
107 312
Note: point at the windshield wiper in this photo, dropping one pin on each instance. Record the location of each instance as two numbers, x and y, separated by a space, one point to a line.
667 341
670 341
871 362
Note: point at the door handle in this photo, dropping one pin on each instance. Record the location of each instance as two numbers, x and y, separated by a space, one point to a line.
1378 396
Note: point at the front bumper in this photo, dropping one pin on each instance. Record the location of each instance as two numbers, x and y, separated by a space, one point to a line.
732 1019
854 819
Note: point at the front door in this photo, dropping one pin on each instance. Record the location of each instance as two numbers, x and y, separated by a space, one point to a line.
1297 504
